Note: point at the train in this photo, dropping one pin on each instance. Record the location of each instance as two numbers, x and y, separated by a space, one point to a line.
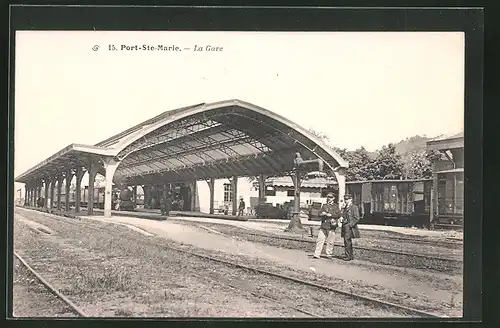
180 194
411 202
393 202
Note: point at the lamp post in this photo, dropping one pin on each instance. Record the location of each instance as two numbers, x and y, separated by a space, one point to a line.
300 170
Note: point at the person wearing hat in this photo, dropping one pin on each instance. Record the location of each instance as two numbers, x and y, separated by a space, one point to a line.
241 206
168 204
349 230
330 213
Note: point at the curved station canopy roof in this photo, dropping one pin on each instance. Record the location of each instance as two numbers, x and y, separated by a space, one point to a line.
216 140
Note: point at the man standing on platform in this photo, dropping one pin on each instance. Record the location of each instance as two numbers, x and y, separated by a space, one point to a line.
241 207
350 219
330 213
168 204
162 205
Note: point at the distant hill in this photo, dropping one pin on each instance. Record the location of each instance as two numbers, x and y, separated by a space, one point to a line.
408 145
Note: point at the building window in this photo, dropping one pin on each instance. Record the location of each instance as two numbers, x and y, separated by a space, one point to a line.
391 198
290 193
325 193
228 192
270 191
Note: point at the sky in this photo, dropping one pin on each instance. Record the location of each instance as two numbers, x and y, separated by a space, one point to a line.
361 89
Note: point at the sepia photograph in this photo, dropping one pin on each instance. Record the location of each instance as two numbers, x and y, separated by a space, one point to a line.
204 174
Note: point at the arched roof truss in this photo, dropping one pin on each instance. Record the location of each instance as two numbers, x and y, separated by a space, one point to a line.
217 140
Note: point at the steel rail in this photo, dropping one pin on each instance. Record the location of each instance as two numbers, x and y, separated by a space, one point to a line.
360 247
428 242
281 237
260 295
231 284
153 215
368 299
51 288
312 284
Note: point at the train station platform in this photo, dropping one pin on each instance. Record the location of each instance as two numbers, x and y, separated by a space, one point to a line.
274 225
270 225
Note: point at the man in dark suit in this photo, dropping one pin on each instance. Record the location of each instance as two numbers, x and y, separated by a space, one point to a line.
350 219
168 204
162 205
241 207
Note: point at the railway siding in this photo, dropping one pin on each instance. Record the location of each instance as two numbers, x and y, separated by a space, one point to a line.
372 250
32 299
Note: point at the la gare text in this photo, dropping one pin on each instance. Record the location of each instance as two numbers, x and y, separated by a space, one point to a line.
161 47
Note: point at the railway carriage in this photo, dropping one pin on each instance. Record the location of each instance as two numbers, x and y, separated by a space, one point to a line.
408 202
450 200
393 202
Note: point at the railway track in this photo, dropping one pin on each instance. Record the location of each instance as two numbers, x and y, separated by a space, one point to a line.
51 288
447 243
373 302
447 262
366 299
426 261
437 258
242 286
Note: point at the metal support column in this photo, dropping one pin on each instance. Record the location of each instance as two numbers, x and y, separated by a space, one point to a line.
46 190
52 187
434 201
110 166
145 189
38 193
26 201
297 181
234 189
262 189
92 170
78 194
34 195
67 185
59 189
195 204
29 195
211 187
301 168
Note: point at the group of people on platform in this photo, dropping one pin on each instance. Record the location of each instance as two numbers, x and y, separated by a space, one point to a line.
333 217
